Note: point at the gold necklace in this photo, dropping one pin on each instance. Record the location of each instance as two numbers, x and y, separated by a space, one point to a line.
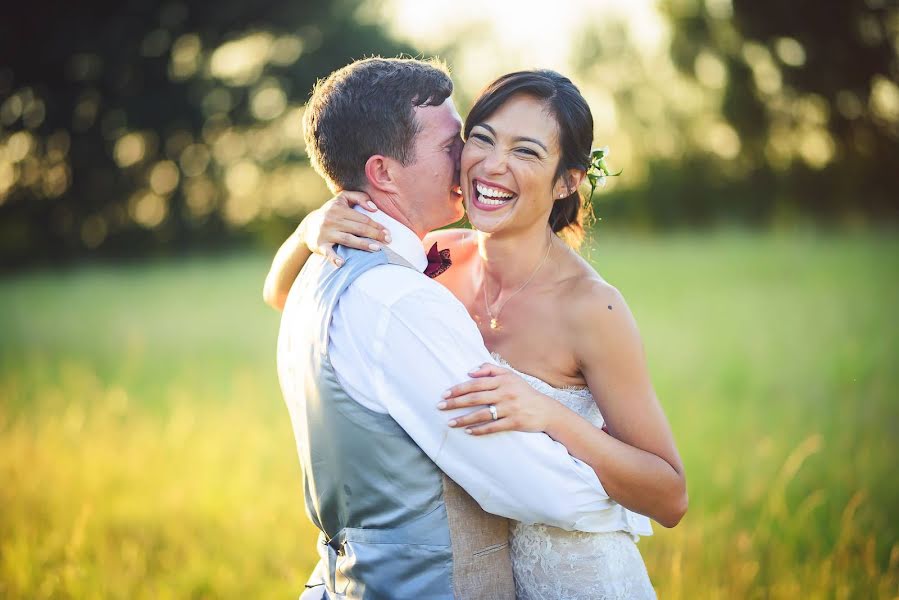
494 319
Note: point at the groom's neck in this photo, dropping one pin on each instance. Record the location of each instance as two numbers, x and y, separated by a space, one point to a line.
397 207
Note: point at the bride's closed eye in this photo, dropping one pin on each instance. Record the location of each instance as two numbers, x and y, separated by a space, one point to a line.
481 138
527 152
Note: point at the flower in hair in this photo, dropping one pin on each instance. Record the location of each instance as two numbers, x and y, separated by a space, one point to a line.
598 170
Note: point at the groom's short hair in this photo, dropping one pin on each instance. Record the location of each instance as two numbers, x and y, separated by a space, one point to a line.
366 108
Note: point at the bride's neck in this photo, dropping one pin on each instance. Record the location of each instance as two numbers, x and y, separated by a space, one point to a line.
509 260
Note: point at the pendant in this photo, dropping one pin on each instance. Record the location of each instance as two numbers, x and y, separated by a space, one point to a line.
493 324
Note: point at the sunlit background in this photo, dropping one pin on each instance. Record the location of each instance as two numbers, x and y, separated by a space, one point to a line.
152 158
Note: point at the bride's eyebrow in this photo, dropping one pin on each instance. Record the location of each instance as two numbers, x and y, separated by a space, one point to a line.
517 139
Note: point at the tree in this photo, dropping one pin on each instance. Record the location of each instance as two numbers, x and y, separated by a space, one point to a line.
123 125
811 90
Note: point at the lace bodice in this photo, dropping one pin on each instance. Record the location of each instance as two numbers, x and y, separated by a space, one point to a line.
554 564
577 398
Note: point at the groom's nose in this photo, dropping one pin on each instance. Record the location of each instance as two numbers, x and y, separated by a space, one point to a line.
457 161
457 152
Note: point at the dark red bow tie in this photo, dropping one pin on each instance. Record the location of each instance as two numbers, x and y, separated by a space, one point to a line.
438 261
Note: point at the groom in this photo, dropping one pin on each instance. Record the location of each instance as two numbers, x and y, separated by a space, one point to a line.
366 351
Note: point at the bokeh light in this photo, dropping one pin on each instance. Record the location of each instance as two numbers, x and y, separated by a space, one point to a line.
152 157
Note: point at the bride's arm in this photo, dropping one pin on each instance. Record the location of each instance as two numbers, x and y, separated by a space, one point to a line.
638 463
334 223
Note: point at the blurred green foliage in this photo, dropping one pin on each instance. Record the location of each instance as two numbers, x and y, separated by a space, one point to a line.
142 127
144 448
810 88
145 451
147 127
777 113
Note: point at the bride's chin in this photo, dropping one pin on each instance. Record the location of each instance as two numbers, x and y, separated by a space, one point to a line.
486 221
486 224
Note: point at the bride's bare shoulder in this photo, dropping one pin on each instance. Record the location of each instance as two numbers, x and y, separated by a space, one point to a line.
460 242
592 300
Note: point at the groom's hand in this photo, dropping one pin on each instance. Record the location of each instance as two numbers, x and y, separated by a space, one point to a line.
337 223
517 405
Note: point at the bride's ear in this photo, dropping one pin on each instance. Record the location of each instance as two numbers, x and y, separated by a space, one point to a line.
568 183
380 173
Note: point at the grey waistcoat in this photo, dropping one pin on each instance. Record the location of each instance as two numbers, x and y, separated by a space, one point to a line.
392 525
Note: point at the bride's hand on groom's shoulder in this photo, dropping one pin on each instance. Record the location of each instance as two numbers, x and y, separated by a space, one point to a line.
517 405
336 223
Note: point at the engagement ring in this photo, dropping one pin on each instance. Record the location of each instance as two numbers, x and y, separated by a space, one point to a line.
493 414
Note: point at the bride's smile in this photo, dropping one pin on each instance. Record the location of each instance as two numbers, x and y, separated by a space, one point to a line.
490 196
508 163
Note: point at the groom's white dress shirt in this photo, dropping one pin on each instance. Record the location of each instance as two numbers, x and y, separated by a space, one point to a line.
398 341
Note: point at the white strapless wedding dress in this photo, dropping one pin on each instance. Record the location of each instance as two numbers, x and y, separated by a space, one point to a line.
554 564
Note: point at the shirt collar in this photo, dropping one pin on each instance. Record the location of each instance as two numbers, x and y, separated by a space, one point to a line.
404 241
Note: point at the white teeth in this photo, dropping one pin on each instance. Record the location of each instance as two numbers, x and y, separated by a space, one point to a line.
490 201
483 190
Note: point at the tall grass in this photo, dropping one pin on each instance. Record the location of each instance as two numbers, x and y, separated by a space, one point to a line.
145 451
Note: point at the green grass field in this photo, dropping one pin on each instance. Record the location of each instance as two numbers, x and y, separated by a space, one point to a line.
145 451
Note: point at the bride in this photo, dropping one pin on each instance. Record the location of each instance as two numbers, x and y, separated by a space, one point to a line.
570 361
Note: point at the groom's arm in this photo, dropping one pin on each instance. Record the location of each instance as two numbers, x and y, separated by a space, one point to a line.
433 344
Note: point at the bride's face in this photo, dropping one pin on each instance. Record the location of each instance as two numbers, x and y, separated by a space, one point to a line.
509 165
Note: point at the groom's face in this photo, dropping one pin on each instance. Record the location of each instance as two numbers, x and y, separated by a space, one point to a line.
430 181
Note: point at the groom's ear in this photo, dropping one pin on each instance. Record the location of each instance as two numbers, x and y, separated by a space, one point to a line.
380 173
